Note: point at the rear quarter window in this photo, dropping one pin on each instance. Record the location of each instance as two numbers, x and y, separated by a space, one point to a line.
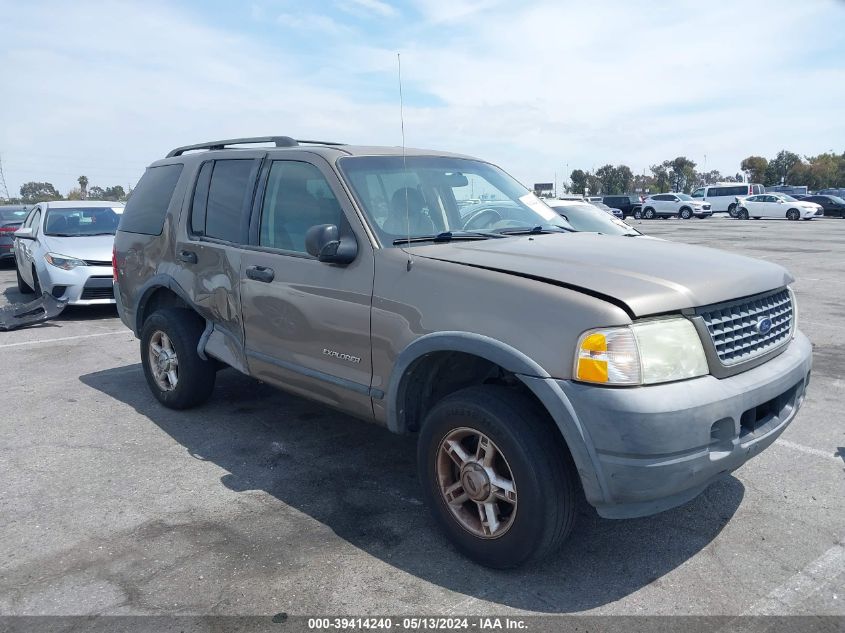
147 206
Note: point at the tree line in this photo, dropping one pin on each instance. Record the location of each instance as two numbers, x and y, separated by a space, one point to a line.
34 192
680 174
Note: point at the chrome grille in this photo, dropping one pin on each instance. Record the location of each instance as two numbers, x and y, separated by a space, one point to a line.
97 262
734 326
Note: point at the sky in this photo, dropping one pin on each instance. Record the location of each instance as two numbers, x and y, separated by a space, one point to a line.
539 88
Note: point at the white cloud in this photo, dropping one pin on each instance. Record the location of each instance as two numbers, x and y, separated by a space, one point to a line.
374 6
104 90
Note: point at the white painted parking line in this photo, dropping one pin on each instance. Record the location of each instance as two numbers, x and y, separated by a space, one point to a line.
64 338
806 449
784 599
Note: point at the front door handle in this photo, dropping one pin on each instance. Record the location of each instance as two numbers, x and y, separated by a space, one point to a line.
189 257
260 273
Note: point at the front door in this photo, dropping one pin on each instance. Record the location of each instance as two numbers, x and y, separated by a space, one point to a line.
307 323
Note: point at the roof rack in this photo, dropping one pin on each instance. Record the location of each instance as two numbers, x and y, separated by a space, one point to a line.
279 141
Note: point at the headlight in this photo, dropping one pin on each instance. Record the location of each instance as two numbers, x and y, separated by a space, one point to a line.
643 353
63 261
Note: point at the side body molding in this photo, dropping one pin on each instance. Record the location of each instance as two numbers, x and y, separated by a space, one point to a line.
534 377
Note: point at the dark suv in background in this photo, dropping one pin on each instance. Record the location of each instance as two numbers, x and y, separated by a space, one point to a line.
628 204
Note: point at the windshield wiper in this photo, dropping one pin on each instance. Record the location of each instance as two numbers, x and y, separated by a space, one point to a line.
537 230
446 236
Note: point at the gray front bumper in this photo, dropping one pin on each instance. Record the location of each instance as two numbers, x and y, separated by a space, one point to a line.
657 447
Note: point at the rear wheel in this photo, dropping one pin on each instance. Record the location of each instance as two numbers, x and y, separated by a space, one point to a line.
793 214
175 373
648 213
23 287
496 476
732 209
742 214
685 213
638 214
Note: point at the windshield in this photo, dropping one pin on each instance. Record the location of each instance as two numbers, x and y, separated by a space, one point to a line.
420 196
583 217
77 222
683 196
13 214
786 197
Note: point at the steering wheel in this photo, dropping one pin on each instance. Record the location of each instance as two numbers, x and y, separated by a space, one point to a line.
481 213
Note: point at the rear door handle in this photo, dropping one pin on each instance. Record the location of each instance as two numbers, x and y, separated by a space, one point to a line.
189 257
260 273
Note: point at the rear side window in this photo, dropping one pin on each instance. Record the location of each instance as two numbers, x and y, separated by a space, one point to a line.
222 198
147 206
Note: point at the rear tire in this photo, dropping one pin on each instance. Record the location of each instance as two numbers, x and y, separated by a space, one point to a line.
176 375
742 214
23 287
793 214
638 214
524 451
648 213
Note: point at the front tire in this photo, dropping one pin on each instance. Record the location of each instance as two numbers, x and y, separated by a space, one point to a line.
175 373
732 209
685 214
23 287
496 476
742 214
648 213
638 214
793 214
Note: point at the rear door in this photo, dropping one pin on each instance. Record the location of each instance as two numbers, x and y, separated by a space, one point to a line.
209 259
307 323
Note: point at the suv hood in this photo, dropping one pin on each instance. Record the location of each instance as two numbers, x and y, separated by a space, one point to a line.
647 276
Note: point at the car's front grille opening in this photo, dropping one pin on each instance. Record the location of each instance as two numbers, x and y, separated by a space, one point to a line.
97 293
743 330
98 262
770 412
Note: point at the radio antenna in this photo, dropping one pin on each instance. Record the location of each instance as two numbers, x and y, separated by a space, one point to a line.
404 160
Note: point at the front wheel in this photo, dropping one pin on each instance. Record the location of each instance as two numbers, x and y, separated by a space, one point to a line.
648 213
175 373
793 214
638 214
732 210
23 287
685 214
496 476
742 214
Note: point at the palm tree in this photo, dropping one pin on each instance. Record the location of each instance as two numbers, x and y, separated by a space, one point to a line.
83 186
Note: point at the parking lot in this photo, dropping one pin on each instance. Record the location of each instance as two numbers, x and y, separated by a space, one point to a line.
260 502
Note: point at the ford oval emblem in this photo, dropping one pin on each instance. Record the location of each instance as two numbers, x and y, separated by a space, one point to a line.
764 325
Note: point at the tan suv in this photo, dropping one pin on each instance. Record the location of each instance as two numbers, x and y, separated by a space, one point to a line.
532 361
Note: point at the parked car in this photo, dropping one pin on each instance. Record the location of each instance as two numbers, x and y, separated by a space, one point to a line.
833 191
586 217
832 205
616 213
669 205
722 196
628 204
348 275
64 249
11 217
777 205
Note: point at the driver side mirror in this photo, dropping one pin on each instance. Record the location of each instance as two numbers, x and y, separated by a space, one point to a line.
24 234
324 242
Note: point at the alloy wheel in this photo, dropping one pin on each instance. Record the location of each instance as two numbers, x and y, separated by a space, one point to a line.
476 483
163 361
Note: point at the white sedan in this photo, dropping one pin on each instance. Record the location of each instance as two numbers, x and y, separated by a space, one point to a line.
65 249
777 205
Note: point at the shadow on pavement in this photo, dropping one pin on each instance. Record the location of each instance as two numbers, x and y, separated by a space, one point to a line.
360 481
